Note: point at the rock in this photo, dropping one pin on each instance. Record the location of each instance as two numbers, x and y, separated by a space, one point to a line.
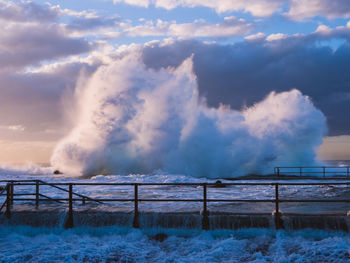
219 184
159 237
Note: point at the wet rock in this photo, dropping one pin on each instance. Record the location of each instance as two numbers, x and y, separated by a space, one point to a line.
159 237
219 184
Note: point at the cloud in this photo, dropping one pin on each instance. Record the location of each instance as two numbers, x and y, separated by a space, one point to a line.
277 36
35 100
231 26
296 9
259 8
16 127
22 45
69 23
27 12
40 61
238 75
302 9
256 37
92 23
31 33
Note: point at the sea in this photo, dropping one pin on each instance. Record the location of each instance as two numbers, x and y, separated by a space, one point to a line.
23 243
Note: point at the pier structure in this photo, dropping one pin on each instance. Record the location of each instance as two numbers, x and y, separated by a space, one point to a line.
13 194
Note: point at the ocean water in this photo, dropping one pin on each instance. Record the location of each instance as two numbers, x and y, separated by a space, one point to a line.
183 192
121 244
113 244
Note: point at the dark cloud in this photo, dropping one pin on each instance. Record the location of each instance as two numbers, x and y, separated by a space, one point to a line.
84 23
244 73
30 44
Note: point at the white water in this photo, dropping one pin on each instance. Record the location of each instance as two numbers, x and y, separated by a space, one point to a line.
118 244
183 192
115 244
133 119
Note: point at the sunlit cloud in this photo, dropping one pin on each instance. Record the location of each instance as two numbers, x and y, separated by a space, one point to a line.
331 9
296 9
255 7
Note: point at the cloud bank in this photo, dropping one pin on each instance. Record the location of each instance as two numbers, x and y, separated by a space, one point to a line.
296 9
134 119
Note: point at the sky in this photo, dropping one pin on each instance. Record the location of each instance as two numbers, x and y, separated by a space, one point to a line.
242 50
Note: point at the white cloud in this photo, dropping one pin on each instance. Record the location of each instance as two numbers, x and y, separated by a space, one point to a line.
277 36
231 26
14 127
301 9
259 8
296 9
322 29
256 37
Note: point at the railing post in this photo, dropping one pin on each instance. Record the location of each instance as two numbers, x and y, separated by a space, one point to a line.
278 171
135 223
301 172
83 201
8 202
324 172
347 171
205 216
69 223
37 194
12 191
277 211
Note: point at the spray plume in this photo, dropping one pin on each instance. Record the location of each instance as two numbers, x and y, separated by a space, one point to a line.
133 119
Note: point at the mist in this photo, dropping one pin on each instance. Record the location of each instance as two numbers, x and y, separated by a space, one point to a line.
130 118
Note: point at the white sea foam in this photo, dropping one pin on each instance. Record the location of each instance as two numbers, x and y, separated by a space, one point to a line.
133 119
115 244
24 170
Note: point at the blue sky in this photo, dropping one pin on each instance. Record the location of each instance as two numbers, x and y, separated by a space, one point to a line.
243 50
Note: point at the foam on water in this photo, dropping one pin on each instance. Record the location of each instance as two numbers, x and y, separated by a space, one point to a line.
120 244
7 170
116 244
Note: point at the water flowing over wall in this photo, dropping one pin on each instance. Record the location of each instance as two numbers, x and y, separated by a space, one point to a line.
134 119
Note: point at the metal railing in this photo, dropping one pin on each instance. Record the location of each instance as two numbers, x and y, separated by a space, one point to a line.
316 171
11 196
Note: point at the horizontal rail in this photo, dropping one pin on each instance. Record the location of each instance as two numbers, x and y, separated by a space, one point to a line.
313 172
183 184
198 200
74 197
324 171
313 167
65 190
